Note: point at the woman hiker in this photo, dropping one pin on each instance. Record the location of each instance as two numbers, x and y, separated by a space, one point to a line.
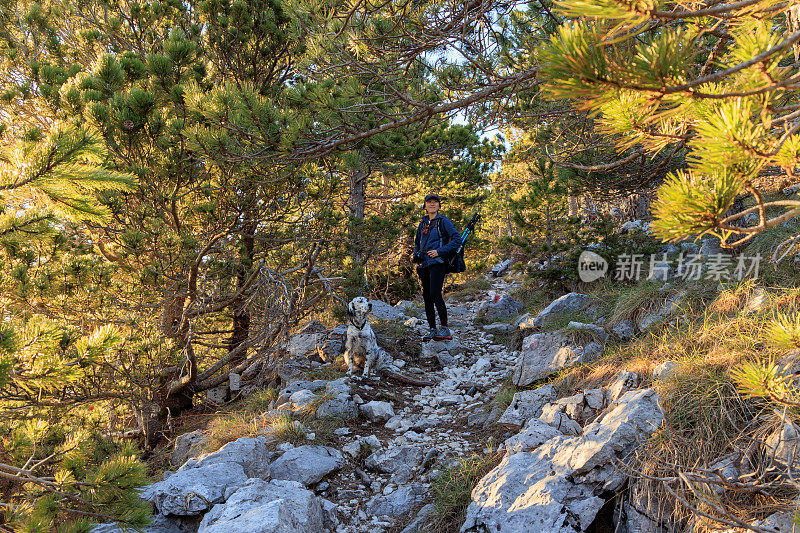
436 238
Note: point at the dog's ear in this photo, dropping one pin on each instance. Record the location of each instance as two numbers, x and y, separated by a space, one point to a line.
350 312
369 307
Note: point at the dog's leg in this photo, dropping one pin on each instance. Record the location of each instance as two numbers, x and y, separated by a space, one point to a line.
349 359
348 356
367 365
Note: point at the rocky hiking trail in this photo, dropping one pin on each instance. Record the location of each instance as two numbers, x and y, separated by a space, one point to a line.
562 457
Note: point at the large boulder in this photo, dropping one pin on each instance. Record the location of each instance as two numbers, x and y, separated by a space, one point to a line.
498 308
258 506
340 404
250 453
527 405
566 305
203 481
562 484
307 464
315 341
555 416
385 311
624 381
194 491
543 354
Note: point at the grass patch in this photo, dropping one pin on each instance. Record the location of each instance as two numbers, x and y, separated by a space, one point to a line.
398 340
562 321
282 428
472 287
228 428
504 396
634 301
452 489
323 429
784 274
309 410
258 402
533 297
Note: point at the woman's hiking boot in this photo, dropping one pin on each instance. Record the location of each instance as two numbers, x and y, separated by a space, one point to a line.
443 334
430 336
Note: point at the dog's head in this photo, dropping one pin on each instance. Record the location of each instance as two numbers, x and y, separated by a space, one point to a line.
358 309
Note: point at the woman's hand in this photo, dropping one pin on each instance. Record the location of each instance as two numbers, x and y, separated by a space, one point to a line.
433 253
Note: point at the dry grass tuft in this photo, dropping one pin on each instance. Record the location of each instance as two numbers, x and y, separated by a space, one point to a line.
504 396
224 429
310 409
453 488
282 428
475 287
634 301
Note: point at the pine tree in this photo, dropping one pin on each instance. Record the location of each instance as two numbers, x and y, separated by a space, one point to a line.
719 81
58 473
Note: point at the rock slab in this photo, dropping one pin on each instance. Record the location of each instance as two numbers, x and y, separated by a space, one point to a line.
561 485
307 464
258 506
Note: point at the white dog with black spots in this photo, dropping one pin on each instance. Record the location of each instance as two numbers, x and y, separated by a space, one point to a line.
361 347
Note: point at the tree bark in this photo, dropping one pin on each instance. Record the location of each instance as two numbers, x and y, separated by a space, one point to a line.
241 316
356 202
572 209
793 18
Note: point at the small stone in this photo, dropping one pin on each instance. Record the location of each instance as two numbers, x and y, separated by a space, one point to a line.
624 330
594 398
377 411
665 370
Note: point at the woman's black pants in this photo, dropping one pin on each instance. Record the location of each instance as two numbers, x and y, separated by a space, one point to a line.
432 279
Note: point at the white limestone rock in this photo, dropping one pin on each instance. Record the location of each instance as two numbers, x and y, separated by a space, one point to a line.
307 464
543 354
258 506
554 486
390 460
527 405
188 446
398 502
377 411
567 304
665 370
534 434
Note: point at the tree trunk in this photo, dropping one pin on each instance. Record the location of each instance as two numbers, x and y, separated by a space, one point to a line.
793 18
572 209
356 201
640 205
241 316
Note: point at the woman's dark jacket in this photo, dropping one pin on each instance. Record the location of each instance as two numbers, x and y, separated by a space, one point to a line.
441 236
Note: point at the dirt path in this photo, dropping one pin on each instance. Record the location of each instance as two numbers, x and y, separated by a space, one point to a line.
433 426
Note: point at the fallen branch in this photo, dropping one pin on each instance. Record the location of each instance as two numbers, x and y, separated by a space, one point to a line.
402 378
